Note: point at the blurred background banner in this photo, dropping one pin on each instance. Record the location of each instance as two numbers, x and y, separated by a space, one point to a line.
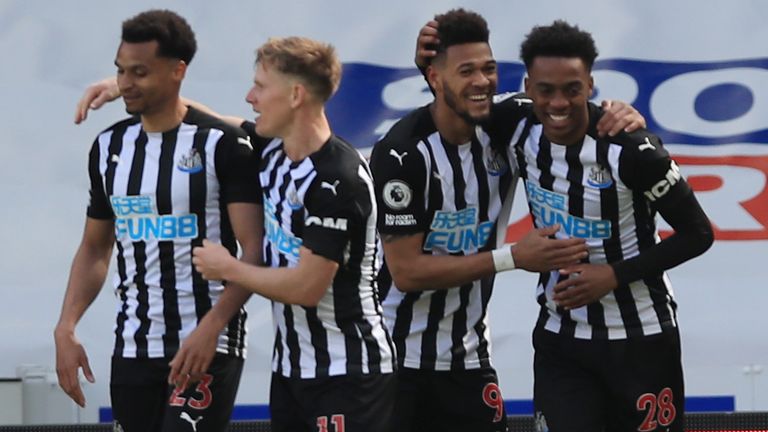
697 70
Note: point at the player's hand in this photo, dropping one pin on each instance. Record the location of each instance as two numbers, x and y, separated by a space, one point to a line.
586 283
212 260
619 116
537 252
194 358
70 357
96 95
425 44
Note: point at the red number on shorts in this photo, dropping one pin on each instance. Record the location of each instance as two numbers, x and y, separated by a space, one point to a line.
492 398
203 388
666 413
337 420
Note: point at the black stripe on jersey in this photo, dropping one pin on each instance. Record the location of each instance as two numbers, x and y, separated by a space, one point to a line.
122 316
384 279
459 329
198 195
277 348
354 307
140 250
459 184
115 147
658 290
547 181
165 248
403 322
292 340
319 342
486 287
436 191
609 208
575 174
482 181
429 338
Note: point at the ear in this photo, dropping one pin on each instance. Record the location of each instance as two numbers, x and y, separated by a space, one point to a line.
591 85
433 76
526 85
298 94
180 70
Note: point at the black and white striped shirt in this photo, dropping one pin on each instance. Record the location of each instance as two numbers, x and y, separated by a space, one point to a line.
608 192
166 192
453 195
325 203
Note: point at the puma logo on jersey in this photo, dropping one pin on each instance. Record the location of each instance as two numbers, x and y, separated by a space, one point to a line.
397 156
245 141
330 186
187 417
647 145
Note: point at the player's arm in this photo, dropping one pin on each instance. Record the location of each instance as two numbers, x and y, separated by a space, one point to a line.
104 91
234 162
400 178
677 204
413 270
197 351
86 277
302 285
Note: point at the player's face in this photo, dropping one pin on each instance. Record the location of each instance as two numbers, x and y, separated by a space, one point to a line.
467 80
147 83
271 97
560 88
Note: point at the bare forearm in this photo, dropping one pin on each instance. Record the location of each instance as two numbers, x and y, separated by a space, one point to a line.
284 285
432 272
87 276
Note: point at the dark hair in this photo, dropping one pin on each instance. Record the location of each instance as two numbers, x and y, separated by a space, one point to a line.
558 40
460 26
173 34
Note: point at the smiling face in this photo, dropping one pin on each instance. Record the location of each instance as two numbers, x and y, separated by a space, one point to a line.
147 83
465 79
560 88
271 97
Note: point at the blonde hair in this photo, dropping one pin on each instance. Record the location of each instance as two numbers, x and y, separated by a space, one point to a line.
313 62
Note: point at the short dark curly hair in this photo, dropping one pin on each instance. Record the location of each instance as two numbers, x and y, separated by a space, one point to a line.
559 39
460 26
173 34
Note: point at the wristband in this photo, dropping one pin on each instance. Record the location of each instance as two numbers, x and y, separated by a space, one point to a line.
503 259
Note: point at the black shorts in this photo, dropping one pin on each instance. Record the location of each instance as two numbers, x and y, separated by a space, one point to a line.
618 385
349 403
468 400
142 400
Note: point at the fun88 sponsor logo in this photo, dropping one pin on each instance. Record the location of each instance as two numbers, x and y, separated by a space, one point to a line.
459 231
284 242
136 219
551 208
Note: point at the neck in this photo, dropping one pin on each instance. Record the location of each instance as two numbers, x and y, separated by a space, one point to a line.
308 132
453 128
165 118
